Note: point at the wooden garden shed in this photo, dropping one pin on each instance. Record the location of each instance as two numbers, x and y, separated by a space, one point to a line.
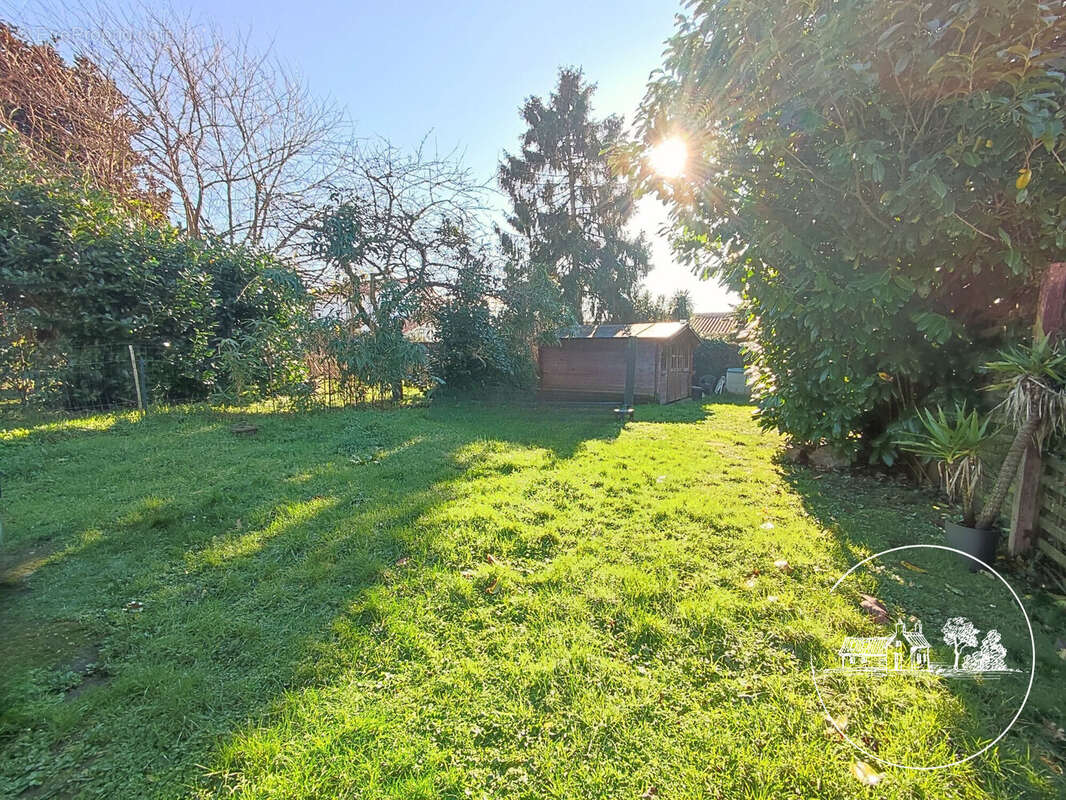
590 362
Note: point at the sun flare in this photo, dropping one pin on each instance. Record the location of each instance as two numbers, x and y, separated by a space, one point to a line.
668 157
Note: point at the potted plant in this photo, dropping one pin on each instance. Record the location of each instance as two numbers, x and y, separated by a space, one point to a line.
954 441
1033 378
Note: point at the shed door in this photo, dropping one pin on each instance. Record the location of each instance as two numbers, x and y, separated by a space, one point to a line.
677 360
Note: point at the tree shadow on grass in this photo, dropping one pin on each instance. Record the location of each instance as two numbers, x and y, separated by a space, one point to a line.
202 568
684 410
870 514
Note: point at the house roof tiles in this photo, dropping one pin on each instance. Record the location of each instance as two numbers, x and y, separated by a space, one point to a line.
722 325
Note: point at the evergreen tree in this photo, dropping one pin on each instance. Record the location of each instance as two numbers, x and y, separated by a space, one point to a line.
681 305
569 210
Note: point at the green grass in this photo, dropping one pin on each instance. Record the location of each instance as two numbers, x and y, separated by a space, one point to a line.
464 601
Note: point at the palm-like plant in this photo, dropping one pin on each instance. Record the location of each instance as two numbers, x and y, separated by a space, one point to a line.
1034 378
953 442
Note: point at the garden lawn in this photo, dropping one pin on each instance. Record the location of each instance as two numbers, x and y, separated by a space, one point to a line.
457 601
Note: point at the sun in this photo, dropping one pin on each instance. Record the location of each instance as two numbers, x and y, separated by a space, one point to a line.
668 157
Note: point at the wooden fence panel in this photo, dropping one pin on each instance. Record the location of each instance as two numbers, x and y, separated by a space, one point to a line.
1051 518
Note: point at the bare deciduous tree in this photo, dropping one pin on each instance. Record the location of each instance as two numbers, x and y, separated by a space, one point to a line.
244 146
71 117
409 221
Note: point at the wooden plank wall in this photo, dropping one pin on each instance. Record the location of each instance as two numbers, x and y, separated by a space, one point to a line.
1051 516
596 366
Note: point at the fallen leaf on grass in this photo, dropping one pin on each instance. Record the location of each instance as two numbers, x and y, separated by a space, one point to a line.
912 567
783 565
402 562
135 606
866 774
491 588
872 606
652 792
1051 765
491 558
835 727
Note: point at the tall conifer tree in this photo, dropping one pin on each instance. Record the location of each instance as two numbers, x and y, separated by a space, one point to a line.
568 209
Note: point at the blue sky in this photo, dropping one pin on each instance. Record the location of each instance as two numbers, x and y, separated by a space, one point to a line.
459 71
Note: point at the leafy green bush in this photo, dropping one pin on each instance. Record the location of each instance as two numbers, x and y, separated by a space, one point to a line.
880 180
534 311
80 273
375 362
470 350
478 347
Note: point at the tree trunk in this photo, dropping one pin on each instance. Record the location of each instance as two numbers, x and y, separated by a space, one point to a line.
998 495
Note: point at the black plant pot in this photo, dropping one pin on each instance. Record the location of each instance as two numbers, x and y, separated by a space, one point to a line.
978 543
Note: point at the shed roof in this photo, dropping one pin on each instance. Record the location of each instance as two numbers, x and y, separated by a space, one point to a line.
638 330
721 325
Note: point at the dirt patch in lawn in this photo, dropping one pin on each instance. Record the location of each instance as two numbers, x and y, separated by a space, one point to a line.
18 564
87 665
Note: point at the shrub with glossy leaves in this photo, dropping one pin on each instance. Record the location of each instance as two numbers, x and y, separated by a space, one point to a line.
470 350
79 272
883 181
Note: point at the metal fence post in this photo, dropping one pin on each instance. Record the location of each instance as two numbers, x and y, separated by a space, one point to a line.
146 399
631 372
136 379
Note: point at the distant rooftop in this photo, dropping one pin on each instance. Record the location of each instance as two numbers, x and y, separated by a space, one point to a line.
638 330
723 325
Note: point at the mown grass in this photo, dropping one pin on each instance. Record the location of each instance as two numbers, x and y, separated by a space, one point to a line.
460 601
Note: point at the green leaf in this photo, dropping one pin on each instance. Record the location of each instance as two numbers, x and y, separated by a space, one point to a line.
905 283
887 33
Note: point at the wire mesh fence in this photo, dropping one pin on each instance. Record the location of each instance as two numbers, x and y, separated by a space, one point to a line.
76 380
132 376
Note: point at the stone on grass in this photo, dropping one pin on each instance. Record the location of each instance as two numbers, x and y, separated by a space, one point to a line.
829 457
